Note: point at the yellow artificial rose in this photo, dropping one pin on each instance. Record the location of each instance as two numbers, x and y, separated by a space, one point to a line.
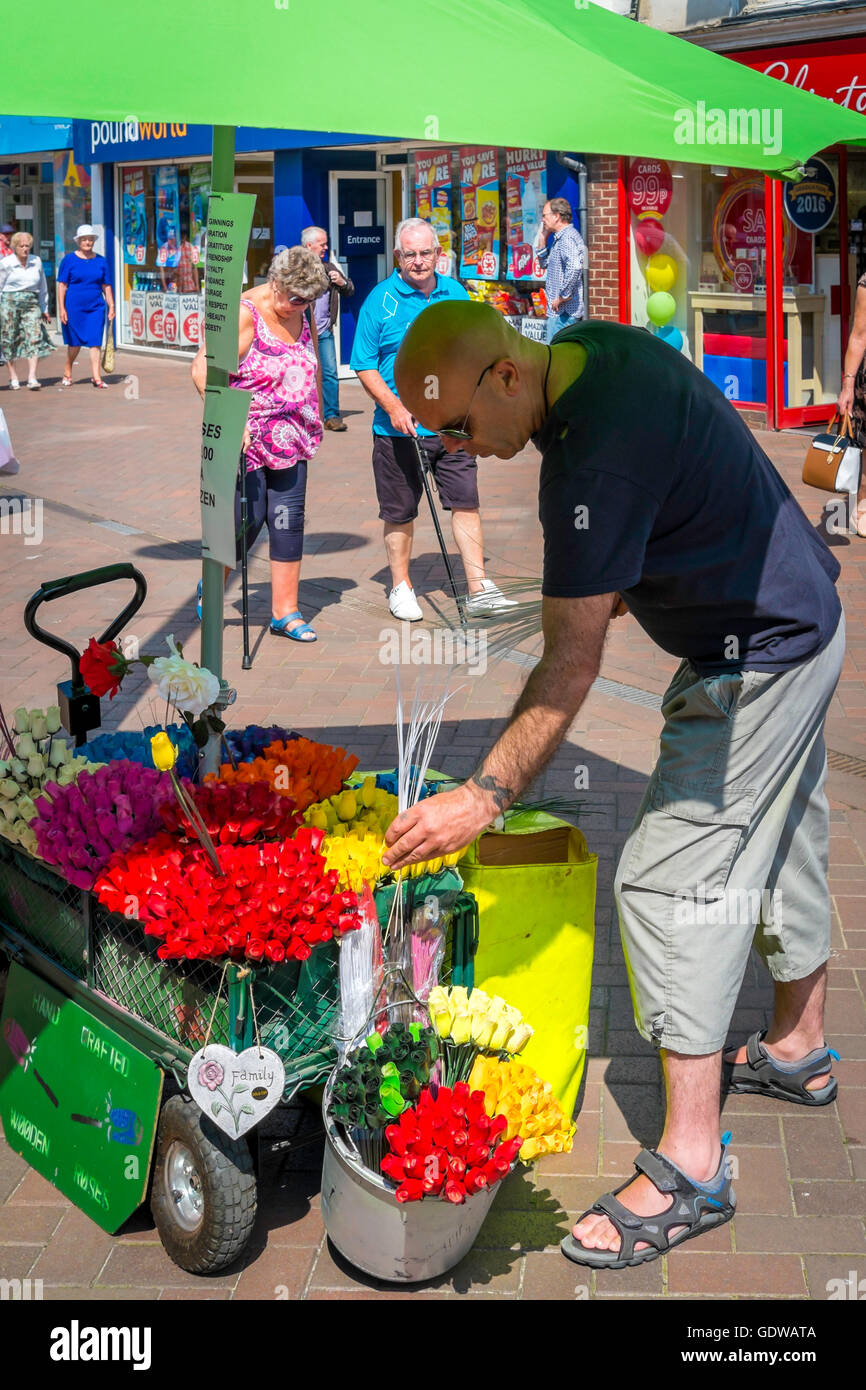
438 1000
163 751
459 1000
501 1034
442 1024
461 1027
482 1030
519 1037
479 1002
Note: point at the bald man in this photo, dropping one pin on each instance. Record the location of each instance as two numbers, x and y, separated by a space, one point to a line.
653 488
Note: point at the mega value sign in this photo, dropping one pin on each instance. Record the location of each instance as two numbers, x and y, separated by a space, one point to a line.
835 69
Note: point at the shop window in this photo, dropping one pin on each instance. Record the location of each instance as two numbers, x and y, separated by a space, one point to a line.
485 206
163 253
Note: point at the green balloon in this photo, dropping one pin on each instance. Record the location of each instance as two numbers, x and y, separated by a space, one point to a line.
661 308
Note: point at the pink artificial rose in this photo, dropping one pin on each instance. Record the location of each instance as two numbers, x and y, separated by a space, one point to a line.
210 1074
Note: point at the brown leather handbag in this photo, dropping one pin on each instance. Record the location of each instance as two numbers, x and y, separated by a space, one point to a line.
833 459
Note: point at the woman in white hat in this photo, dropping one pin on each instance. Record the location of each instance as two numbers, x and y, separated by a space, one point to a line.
83 292
23 309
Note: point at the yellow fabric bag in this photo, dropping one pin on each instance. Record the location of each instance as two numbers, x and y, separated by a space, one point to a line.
535 888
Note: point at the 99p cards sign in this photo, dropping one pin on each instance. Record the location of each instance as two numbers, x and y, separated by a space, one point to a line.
479 193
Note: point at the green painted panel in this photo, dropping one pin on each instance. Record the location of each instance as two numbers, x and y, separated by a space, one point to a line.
77 1101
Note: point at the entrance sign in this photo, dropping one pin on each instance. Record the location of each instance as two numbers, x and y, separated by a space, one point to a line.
229 220
222 433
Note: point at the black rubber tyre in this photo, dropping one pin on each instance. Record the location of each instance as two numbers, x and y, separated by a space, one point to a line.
203 1195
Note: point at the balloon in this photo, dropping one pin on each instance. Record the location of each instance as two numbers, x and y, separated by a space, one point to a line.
671 335
661 272
649 236
661 308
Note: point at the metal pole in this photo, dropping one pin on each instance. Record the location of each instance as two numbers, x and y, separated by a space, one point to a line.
445 557
245 591
222 181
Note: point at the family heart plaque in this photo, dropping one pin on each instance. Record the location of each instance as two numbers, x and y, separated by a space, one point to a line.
236 1089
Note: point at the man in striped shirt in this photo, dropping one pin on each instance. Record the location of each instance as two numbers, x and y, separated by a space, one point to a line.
565 261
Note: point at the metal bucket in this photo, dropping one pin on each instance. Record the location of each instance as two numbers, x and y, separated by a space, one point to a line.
402 1242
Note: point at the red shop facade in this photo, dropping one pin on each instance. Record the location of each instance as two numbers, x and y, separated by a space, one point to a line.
753 278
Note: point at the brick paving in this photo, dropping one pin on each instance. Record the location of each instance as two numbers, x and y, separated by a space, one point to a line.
129 458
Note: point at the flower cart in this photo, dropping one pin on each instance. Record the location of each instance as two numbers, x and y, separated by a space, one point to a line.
130 983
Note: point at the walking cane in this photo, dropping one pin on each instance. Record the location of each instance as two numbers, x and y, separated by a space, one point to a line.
424 479
245 593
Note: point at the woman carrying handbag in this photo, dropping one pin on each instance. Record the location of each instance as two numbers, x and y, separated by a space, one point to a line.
852 397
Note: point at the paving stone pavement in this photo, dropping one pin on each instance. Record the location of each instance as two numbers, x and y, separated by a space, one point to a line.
113 477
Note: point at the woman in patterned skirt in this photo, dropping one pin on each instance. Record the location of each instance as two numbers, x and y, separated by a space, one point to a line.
278 364
23 309
852 397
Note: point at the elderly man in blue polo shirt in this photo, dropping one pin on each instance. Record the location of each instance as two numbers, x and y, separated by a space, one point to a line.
383 321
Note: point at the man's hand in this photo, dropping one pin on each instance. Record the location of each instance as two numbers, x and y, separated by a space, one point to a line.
556 304
438 825
335 276
401 419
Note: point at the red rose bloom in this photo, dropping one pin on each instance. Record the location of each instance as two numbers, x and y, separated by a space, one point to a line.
102 667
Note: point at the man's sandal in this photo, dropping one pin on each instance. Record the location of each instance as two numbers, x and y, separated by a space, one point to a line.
764 1075
696 1207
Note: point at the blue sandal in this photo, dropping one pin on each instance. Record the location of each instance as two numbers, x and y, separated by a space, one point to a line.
278 629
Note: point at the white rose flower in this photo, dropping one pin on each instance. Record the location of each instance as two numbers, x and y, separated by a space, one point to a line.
189 687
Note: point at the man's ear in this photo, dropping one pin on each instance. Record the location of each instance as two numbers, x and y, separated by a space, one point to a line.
507 374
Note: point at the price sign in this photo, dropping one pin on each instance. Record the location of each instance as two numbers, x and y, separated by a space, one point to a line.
744 276
488 265
140 253
650 186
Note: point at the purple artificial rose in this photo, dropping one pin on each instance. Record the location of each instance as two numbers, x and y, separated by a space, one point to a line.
210 1074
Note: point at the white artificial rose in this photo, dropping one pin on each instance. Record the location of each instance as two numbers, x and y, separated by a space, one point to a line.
189 687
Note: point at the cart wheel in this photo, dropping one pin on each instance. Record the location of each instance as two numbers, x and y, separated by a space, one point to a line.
204 1190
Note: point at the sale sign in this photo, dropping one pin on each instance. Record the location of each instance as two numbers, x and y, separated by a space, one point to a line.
433 199
525 196
650 186
171 319
153 310
189 319
137 320
479 195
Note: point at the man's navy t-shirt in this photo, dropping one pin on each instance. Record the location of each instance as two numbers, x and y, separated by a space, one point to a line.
652 486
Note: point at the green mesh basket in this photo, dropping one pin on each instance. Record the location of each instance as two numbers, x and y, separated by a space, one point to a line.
296 1003
50 912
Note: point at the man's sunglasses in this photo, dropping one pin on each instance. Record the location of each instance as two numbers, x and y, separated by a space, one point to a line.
460 431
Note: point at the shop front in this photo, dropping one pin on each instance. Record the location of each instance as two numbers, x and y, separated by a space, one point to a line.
752 277
484 204
42 188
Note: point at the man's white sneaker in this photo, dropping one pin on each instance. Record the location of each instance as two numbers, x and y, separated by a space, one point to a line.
489 600
403 603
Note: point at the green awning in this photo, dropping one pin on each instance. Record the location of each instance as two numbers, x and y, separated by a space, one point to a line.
548 74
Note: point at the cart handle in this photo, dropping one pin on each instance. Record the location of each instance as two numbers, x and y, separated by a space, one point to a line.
71 584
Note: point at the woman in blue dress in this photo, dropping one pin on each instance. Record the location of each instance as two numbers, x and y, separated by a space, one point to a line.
83 292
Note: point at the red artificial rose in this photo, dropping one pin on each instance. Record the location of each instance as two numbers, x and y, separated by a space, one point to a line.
102 667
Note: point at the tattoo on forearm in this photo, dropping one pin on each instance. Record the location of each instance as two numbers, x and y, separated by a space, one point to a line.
502 795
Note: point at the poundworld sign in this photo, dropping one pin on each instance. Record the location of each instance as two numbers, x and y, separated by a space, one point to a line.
101 142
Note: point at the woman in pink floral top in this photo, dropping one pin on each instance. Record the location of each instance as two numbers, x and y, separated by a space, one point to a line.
278 365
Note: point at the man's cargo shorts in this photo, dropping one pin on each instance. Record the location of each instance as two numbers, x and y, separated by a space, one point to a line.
729 844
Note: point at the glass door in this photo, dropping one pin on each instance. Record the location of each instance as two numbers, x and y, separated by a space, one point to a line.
361 239
807 219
